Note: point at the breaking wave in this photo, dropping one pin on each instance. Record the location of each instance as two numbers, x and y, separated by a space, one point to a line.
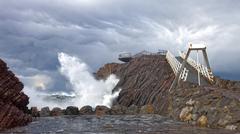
86 90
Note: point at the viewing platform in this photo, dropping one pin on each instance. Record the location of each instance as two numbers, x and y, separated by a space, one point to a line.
126 56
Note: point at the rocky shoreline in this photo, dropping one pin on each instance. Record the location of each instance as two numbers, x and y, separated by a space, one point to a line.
147 79
145 83
88 110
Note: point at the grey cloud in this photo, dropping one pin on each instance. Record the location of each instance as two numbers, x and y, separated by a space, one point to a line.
33 32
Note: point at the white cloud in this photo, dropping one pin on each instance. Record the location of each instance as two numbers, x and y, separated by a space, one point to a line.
39 81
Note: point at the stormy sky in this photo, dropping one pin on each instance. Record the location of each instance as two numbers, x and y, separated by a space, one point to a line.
32 32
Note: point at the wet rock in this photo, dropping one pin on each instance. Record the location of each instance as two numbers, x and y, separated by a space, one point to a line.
34 112
118 110
186 114
133 109
202 121
71 110
86 110
108 126
102 110
45 111
56 111
147 109
231 127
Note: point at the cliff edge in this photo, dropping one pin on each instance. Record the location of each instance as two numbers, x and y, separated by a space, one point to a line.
146 80
13 102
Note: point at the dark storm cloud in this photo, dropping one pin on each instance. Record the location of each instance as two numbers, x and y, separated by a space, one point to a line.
33 32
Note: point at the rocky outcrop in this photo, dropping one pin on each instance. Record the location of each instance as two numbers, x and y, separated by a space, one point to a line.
34 112
72 110
102 110
86 110
118 110
146 81
45 112
13 102
207 106
226 84
56 111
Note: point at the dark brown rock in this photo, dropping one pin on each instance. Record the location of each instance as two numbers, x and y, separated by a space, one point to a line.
147 109
118 110
144 80
45 111
132 110
13 102
56 111
102 110
86 110
71 110
147 79
34 112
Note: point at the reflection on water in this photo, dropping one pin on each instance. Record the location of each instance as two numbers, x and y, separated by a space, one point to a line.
112 124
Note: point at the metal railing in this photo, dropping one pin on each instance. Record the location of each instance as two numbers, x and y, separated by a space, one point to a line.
125 55
176 65
162 52
199 67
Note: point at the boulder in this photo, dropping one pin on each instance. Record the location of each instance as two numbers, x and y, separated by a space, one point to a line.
34 112
147 109
133 109
202 121
71 110
186 114
45 111
86 110
118 110
56 111
102 110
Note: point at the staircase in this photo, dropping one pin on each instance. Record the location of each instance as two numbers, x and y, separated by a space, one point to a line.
176 65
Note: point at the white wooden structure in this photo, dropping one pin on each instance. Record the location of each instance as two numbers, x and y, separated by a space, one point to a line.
201 69
176 65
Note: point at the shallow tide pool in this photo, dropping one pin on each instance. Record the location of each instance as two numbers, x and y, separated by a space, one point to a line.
112 124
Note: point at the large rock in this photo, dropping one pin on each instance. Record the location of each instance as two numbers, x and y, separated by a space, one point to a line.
203 121
132 110
186 114
144 80
72 110
147 109
86 110
34 112
56 111
45 112
13 102
102 110
118 110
